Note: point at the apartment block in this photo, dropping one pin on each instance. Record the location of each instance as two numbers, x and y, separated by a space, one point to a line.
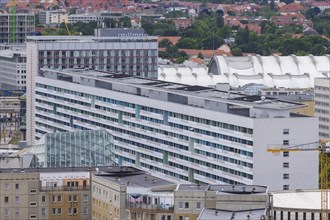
49 193
179 132
322 106
23 24
128 55
13 67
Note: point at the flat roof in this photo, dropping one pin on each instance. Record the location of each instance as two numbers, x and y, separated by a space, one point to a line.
185 90
298 200
144 180
218 214
112 169
195 187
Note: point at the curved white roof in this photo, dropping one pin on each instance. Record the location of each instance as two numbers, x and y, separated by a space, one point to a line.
272 71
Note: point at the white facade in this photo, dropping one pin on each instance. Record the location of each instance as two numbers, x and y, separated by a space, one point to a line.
85 18
127 55
272 71
322 106
303 204
12 67
178 131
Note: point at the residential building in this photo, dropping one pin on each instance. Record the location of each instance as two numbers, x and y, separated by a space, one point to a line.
24 25
13 67
128 55
322 106
49 193
53 17
97 17
193 133
131 194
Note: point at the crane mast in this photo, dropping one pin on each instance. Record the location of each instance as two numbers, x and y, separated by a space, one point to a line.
324 148
12 22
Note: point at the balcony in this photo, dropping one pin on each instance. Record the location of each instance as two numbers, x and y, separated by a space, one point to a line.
64 188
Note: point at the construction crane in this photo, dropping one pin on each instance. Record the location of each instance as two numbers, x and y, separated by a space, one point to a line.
12 22
324 148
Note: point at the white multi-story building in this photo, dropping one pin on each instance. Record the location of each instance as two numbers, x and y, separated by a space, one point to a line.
193 133
129 55
322 106
12 67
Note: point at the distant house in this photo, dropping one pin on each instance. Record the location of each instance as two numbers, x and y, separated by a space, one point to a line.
291 8
291 19
321 5
172 39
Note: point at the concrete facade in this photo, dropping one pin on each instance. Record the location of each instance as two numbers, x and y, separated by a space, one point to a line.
191 133
322 106
24 26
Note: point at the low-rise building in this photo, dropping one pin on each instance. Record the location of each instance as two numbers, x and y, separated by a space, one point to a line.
131 194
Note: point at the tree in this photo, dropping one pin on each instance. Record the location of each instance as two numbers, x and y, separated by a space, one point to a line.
165 43
187 43
200 55
236 51
272 5
125 22
110 23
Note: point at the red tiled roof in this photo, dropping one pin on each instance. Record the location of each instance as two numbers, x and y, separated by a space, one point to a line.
172 39
293 7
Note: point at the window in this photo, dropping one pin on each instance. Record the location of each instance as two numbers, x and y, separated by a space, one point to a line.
6 186
59 198
43 198
181 205
169 217
180 217
33 191
198 205
285 142
85 210
6 199
17 211
17 200
186 205
186 218
54 199
286 165
285 154
33 216
69 211
85 198
286 176
286 131
6 212
33 204
17 186
43 211
75 211
285 187
75 198
59 211
53 211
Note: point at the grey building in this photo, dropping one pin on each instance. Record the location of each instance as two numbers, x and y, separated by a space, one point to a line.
322 106
24 26
12 67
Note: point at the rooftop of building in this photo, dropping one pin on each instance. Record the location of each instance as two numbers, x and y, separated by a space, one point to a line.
218 214
231 189
201 92
113 169
90 38
134 178
297 199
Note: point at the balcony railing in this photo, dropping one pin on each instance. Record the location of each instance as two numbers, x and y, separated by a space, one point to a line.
64 188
